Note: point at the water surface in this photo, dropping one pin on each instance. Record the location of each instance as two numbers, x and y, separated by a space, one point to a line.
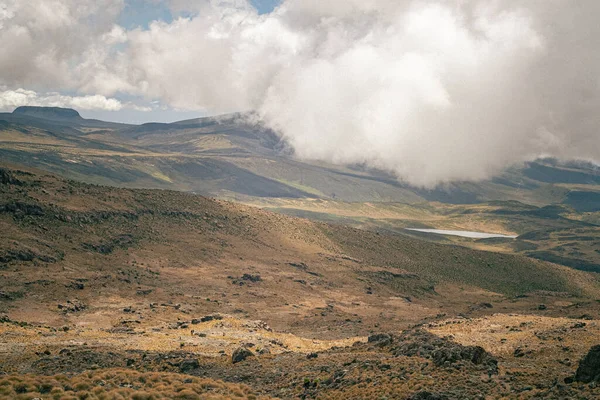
467 234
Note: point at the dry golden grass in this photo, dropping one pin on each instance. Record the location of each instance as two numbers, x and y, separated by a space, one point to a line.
222 335
117 384
501 334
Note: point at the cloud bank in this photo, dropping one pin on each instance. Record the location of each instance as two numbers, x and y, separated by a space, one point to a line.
433 91
21 97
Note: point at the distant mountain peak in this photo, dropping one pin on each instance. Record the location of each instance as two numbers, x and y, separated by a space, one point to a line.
48 112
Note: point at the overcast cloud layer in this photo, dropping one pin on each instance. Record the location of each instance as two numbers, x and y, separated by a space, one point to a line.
432 91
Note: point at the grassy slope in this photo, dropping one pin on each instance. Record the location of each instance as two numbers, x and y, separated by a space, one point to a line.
226 157
76 218
168 257
553 233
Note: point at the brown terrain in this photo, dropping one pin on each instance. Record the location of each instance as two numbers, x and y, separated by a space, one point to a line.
110 293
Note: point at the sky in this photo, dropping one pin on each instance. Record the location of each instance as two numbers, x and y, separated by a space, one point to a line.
432 91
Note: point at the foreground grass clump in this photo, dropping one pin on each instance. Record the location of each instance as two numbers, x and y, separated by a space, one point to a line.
117 384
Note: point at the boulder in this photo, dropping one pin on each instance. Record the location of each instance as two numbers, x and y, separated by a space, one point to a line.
589 366
189 365
241 354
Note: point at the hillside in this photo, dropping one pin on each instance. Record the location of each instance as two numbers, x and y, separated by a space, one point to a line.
96 232
228 157
556 233
167 282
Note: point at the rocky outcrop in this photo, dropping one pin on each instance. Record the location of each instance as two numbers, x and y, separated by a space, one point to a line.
207 318
442 351
108 246
589 366
21 255
7 178
18 208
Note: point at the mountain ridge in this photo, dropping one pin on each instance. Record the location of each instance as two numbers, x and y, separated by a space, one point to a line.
48 112
156 154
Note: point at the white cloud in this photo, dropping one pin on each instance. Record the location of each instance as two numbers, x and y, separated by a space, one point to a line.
432 91
43 41
10 99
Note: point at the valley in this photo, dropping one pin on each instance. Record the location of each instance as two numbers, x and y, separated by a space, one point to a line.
292 199
553 208
105 284
120 279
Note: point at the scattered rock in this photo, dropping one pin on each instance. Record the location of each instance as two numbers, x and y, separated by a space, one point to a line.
520 352
241 354
251 278
245 279
122 330
311 356
481 306
179 325
107 247
300 265
76 285
72 306
542 307
258 325
589 366
175 306
207 318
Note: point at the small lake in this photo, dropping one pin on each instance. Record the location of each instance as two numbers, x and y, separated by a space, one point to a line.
467 234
